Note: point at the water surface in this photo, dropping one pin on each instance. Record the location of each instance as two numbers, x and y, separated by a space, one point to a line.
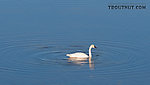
35 37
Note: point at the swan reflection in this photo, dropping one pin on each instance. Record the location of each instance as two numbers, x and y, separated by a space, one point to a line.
76 61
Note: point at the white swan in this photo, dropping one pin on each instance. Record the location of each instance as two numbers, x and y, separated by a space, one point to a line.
82 56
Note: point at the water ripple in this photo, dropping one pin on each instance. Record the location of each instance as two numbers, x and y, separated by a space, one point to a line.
110 58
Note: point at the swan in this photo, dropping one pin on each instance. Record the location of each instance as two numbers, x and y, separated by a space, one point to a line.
81 56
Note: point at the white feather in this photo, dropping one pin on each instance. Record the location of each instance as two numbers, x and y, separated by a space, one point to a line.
78 55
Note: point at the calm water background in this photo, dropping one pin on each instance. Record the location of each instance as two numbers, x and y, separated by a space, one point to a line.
35 36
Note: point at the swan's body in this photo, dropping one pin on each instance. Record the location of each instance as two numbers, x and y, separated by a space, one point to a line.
78 55
81 56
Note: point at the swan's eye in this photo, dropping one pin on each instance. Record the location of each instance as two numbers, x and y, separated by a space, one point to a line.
94 46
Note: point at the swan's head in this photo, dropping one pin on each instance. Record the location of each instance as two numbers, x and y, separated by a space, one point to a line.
93 46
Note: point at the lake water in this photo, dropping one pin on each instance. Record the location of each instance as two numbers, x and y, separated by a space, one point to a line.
36 35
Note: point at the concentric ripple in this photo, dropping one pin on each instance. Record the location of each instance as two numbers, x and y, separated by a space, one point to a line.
110 58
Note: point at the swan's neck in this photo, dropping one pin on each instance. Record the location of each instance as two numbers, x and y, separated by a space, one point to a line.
90 55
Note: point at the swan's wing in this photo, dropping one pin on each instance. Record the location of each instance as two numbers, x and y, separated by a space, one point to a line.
79 55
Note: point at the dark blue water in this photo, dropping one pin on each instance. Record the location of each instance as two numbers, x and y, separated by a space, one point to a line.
36 35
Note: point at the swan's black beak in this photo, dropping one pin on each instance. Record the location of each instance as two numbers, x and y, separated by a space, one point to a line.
95 47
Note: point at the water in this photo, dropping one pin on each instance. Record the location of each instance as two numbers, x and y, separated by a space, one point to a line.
35 37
